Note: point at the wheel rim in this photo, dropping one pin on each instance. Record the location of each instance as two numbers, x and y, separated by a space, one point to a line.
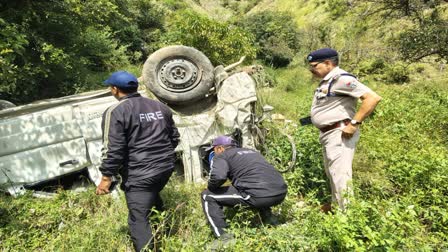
178 74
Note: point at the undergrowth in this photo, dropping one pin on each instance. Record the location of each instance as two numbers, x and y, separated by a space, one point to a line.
400 180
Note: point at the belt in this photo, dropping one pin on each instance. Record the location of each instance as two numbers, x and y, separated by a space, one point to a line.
335 125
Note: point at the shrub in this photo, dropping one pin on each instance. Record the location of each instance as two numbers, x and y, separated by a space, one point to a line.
389 72
240 7
221 42
175 4
12 47
52 48
428 36
397 73
275 34
404 144
372 66
338 8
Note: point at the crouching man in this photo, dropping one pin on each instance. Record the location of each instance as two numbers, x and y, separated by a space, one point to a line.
255 183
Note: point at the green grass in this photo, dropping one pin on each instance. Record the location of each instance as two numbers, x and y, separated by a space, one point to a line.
400 170
291 94
400 179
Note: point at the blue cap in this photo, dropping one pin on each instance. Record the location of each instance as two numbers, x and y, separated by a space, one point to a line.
122 79
321 54
222 140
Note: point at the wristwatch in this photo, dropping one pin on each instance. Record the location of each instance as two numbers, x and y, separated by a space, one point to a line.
354 122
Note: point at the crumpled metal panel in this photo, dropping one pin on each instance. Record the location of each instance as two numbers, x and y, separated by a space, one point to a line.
33 144
43 163
236 98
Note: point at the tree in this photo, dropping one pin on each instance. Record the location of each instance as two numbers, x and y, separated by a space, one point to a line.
223 43
428 35
276 35
59 47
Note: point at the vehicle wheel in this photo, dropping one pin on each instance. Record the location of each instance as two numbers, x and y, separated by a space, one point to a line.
178 74
6 104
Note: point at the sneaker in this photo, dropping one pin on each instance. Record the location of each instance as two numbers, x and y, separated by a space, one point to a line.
223 242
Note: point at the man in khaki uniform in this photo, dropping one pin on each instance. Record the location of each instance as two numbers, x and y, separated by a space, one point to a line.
334 113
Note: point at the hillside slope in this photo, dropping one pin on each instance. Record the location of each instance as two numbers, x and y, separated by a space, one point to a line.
400 170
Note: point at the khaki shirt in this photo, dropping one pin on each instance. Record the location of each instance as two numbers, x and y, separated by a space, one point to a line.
327 110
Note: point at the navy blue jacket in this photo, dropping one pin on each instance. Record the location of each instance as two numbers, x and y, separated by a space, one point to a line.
249 172
139 138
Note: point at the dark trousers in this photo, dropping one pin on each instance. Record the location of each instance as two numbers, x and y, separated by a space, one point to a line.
214 201
140 200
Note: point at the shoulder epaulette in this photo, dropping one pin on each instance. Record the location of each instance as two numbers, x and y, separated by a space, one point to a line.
333 80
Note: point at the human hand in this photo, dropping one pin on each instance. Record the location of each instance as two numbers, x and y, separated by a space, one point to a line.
103 187
349 130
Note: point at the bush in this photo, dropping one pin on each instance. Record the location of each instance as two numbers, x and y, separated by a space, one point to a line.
221 42
240 7
12 47
52 48
404 208
413 158
399 172
392 73
372 66
275 34
428 37
397 73
338 8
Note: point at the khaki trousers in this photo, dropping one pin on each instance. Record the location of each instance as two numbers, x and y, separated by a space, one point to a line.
338 159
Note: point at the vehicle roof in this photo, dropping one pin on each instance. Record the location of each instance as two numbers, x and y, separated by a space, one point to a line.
48 103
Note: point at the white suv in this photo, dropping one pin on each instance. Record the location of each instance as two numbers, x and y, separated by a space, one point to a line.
52 138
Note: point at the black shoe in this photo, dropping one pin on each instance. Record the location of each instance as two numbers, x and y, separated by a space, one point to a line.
268 218
223 242
271 220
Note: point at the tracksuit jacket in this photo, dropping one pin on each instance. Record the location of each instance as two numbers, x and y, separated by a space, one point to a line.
139 138
249 172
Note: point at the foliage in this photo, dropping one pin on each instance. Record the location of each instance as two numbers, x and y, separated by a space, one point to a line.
400 167
174 4
221 42
141 29
400 182
390 72
372 66
397 73
12 46
399 172
338 8
51 48
410 8
63 223
417 166
427 36
240 7
276 35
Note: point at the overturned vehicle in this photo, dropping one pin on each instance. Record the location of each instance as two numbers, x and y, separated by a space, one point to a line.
51 140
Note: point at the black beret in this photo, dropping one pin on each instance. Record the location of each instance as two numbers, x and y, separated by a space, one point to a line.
321 54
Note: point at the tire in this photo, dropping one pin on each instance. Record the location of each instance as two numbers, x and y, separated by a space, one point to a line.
6 104
178 74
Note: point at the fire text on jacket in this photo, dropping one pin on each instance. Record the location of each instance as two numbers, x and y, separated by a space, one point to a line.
152 116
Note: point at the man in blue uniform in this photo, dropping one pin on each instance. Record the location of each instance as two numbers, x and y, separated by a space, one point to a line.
255 183
139 138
